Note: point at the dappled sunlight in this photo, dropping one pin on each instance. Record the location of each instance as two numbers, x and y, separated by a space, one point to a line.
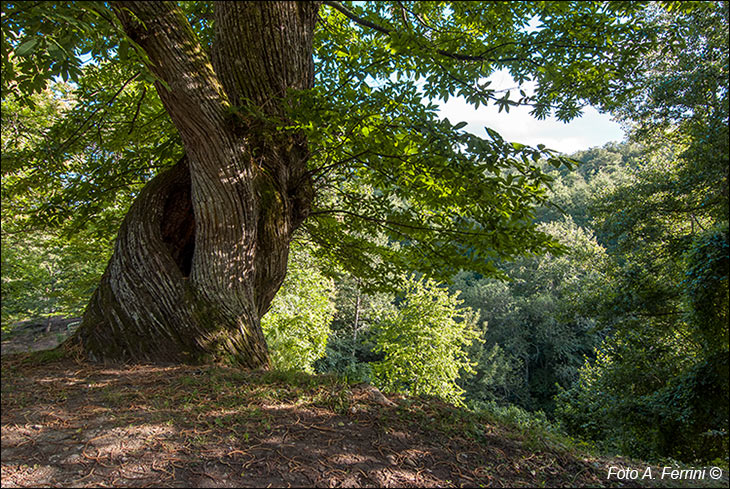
30 476
156 425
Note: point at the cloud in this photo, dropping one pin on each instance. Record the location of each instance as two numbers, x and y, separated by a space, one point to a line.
589 130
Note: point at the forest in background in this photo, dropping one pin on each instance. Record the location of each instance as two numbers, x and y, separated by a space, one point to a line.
619 338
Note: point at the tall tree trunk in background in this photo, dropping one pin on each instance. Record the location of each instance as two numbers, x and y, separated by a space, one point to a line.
204 247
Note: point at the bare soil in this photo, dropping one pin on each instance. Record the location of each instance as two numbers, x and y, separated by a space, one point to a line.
68 423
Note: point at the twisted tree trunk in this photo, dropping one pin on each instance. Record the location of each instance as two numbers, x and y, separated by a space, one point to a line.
204 248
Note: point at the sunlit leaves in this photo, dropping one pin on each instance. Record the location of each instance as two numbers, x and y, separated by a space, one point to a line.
682 98
425 342
298 324
450 198
87 164
45 275
453 47
383 162
43 40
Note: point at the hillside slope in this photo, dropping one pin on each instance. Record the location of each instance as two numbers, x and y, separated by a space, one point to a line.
72 424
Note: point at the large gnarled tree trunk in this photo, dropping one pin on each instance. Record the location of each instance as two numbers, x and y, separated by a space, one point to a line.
204 247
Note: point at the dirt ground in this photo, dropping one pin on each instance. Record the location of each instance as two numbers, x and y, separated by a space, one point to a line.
35 335
67 423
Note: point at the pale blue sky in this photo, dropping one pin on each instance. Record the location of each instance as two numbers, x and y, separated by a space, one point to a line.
589 130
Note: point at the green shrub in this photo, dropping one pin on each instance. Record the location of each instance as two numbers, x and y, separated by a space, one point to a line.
425 342
298 323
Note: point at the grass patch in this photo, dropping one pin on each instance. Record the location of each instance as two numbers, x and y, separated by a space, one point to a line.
43 357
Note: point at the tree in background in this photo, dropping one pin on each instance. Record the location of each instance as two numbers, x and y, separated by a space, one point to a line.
44 272
46 275
601 170
298 324
351 346
425 342
659 383
539 324
249 141
681 104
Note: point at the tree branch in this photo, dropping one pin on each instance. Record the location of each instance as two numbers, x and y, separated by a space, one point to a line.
359 20
136 112
80 128
188 86
383 30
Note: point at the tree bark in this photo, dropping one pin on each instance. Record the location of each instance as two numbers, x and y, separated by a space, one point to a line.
204 248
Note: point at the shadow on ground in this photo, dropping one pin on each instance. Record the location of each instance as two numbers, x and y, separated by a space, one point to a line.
73 424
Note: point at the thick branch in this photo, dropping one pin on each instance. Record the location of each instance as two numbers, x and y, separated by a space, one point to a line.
364 22
359 20
188 86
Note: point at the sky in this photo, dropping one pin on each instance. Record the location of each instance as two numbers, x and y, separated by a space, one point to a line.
589 130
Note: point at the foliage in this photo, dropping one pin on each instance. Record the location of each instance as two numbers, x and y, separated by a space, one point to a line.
49 270
531 423
351 345
42 42
382 160
539 323
706 288
425 342
298 323
682 100
659 383
448 197
600 171
44 275
87 179
633 280
643 397
498 375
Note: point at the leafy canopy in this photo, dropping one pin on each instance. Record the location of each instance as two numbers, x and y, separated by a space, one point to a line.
384 163
659 382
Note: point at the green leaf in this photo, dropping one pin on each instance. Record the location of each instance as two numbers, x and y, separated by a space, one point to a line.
57 51
27 47
493 134
123 49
